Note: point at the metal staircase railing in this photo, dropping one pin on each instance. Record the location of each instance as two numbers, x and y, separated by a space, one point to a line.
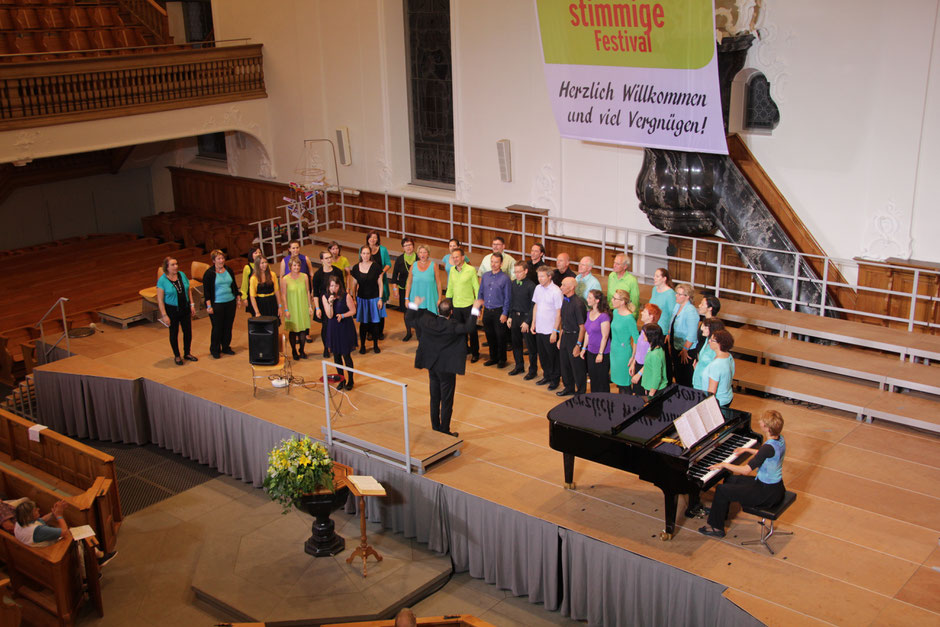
46 349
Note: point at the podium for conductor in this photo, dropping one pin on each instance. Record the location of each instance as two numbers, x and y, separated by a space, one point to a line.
442 350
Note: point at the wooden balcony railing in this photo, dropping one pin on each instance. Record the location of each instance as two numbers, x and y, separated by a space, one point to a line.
73 90
151 16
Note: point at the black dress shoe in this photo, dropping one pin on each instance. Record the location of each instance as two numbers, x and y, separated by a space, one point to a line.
490 362
530 376
362 350
564 393
553 386
326 352
501 364
190 357
541 381
349 385
303 355
515 371
341 385
452 433
708 531
215 355
407 337
228 351
474 359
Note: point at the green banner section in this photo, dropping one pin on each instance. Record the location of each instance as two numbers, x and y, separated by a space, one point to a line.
674 34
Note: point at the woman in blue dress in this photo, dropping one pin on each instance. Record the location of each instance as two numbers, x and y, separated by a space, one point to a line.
380 254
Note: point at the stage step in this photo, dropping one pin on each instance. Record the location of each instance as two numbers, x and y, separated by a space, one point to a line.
887 371
863 401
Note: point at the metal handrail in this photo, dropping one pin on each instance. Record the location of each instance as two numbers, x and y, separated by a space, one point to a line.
634 242
47 350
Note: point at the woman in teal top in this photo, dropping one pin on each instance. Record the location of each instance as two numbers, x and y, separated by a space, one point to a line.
720 373
380 254
652 376
222 298
623 338
764 490
423 281
176 308
664 297
705 354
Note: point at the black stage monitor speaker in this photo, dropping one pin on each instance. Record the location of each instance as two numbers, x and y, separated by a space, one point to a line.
262 340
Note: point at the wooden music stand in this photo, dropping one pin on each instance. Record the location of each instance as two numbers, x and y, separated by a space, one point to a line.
363 486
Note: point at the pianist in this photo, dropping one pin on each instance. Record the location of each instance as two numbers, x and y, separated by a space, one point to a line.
763 490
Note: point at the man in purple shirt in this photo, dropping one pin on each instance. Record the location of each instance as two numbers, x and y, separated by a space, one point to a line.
496 292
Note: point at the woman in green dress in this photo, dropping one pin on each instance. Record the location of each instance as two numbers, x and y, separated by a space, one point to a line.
623 338
652 376
296 293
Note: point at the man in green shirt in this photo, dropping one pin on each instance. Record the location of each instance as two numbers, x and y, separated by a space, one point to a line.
621 279
462 287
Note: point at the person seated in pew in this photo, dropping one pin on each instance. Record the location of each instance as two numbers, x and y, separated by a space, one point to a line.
7 517
33 530
763 490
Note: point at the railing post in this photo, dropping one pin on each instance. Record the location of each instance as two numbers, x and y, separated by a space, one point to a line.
910 318
404 403
404 232
694 257
326 212
524 251
326 403
451 206
65 328
825 287
796 281
386 215
469 229
718 272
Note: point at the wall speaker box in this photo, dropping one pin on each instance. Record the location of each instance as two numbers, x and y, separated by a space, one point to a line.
505 160
262 340
342 145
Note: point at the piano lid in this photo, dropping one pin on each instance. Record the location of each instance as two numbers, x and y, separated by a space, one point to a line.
596 412
625 416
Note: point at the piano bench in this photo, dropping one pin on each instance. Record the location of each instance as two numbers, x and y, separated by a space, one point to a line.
771 514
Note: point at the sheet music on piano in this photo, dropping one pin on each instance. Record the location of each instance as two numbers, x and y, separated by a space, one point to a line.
698 422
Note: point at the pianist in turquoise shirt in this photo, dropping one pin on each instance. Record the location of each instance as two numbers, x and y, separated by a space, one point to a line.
766 489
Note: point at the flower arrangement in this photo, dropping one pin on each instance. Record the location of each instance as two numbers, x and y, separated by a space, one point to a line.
296 468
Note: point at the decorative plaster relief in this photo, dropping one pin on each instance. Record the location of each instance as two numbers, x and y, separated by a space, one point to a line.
385 170
768 54
464 185
888 234
736 17
543 189
25 144
231 154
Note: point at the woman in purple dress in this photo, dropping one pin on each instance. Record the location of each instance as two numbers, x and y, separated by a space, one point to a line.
596 353
339 308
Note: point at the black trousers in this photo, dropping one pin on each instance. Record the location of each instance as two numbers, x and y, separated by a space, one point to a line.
681 373
442 386
743 490
599 372
180 318
548 356
497 334
528 339
462 314
222 320
573 372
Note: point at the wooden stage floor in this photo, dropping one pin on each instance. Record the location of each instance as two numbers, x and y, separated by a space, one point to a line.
866 521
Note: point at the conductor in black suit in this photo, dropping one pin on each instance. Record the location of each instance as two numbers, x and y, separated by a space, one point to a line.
442 349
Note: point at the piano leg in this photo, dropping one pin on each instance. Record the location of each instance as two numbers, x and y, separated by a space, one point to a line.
569 471
672 504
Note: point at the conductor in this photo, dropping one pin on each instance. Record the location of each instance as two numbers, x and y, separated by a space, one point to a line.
442 349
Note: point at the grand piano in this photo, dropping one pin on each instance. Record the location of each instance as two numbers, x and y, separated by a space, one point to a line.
621 431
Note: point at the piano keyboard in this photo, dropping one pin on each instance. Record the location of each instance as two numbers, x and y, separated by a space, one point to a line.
724 452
